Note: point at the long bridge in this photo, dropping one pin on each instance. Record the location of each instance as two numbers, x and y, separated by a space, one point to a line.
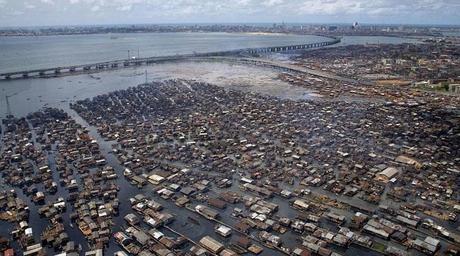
115 64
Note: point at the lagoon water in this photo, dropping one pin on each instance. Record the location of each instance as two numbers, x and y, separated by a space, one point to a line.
19 53
25 53
34 52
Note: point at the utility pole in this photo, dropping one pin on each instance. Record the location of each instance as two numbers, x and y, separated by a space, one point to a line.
146 81
9 113
129 57
8 107
138 52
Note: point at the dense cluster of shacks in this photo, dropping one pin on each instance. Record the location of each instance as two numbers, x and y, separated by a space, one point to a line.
299 177
63 174
412 61
375 168
428 65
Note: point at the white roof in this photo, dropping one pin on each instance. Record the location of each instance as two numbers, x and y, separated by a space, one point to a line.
157 234
156 177
389 172
28 231
223 229
432 241
247 180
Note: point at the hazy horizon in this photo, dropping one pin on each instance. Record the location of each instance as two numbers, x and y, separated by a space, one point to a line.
27 13
229 24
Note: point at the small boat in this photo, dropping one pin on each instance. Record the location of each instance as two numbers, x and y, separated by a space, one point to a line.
193 220
71 225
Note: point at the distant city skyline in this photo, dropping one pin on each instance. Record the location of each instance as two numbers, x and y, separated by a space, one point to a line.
104 12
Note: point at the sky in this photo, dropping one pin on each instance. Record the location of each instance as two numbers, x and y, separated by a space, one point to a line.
88 12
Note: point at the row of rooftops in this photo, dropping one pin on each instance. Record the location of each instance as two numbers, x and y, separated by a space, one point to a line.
352 155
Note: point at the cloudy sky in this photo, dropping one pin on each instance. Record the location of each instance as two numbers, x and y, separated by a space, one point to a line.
75 12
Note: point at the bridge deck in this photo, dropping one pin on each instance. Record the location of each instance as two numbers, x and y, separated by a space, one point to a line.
140 61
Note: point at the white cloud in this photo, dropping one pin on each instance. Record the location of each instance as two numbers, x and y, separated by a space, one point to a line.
330 7
243 2
29 6
47 1
18 13
158 11
125 7
271 3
